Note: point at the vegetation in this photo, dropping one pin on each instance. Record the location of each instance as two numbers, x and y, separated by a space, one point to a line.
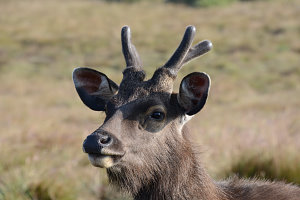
253 108
268 167
203 3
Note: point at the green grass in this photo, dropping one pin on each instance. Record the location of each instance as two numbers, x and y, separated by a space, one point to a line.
253 105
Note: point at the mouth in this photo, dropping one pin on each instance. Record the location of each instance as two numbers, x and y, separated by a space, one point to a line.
105 159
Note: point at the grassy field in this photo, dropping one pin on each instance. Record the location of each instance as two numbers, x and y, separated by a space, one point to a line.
250 125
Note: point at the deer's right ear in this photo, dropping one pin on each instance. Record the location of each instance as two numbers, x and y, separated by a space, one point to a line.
94 88
193 92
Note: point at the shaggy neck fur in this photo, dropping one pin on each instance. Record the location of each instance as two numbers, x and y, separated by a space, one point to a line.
174 173
186 179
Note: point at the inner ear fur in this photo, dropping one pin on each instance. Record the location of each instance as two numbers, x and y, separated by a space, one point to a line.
94 88
193 92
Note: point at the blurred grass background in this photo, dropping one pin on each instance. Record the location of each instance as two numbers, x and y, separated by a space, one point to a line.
250 125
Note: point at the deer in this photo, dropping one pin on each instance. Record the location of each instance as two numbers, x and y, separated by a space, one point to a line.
144 143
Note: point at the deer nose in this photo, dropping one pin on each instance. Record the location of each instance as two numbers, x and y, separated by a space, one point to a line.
94 143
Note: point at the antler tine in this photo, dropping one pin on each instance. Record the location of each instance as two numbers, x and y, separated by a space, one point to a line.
130 54
198 50
174 63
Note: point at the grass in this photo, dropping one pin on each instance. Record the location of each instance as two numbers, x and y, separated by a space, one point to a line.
253 107
265 166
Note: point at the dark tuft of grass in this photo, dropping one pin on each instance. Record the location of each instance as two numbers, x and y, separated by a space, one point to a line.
39 191
44 190
267 167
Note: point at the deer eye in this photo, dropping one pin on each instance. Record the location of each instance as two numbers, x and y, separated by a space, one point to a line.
159 116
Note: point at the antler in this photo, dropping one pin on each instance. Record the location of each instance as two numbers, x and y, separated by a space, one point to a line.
133 71
174 63
130 54
165 75
198 50
184 53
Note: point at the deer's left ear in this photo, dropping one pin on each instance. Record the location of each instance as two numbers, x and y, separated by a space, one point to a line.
94 88
193 92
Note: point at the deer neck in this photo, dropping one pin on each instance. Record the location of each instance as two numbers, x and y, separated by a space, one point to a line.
184 179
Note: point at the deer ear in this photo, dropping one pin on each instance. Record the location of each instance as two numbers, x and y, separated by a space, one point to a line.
193 92
94 88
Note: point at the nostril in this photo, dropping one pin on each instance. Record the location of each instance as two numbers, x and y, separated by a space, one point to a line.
90 144
105 140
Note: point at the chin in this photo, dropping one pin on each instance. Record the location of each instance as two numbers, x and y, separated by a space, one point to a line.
102 161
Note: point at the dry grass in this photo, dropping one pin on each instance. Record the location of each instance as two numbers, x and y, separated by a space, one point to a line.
253 107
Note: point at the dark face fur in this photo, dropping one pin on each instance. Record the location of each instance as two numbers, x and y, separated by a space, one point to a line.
141 137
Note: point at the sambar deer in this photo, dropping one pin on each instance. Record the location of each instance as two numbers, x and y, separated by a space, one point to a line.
143 142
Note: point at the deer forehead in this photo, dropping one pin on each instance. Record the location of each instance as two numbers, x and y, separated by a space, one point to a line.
140 92
139 102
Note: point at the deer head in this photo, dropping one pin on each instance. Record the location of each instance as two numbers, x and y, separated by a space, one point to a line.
141 137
